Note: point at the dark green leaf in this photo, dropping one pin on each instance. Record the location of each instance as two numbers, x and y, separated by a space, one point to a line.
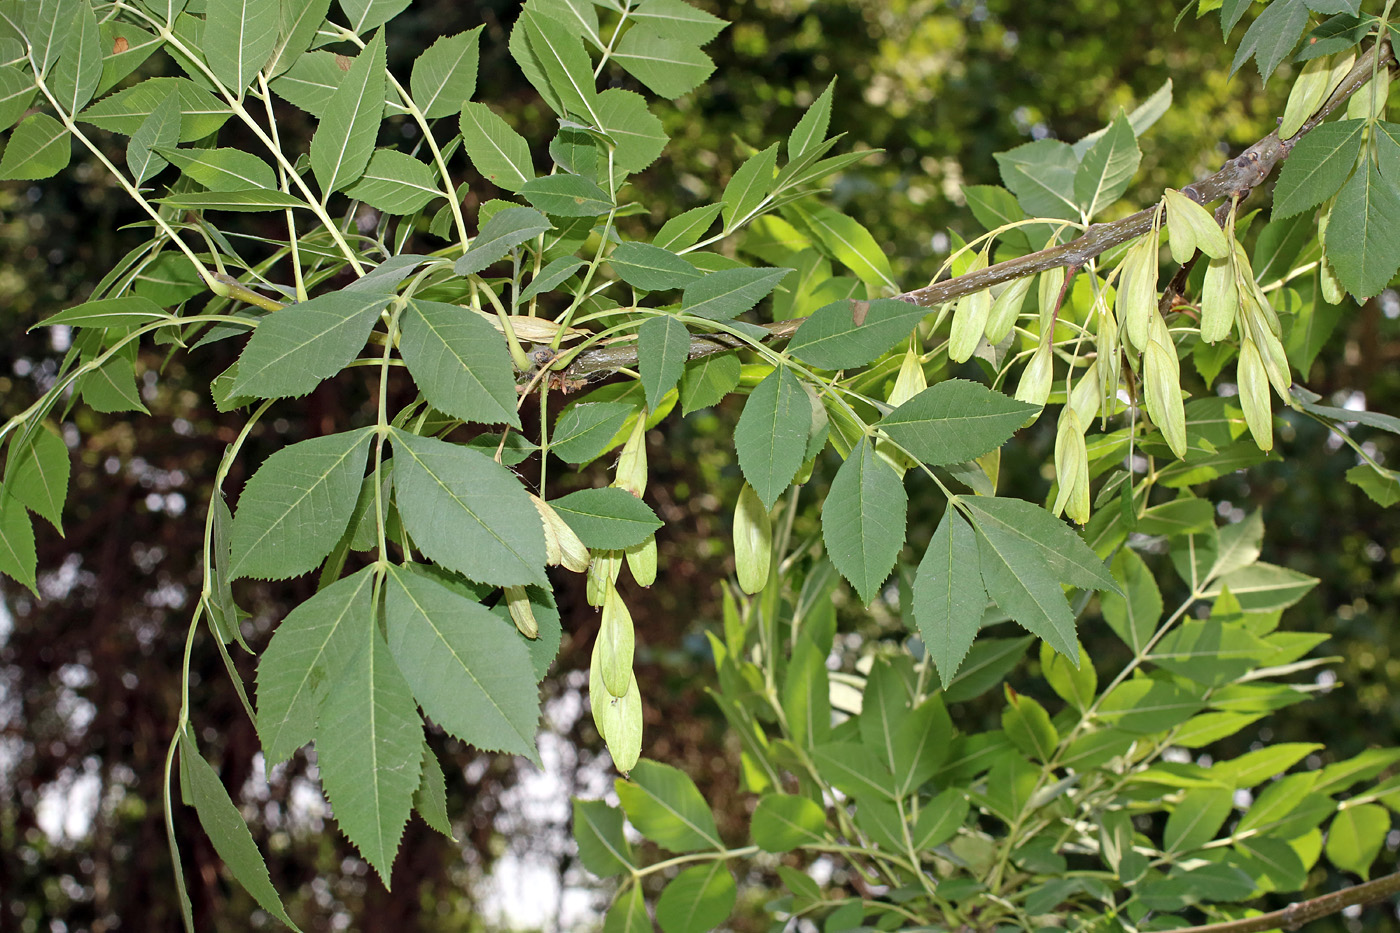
678 20
160 130
395 183
1363 245
297 505
849 333
584 431
1041 174
468 670
566 68
771 435
1197 818
1271 36
1134 611
685 229
460 362
222 169
298 23
239 37
748 187
728 293
602 847
782 822
430 799
855 770
79 68
663 345
124 112
628 914
698 899
17 91
651 268
608 518
567 196
707 380
344 140
227 831
637 133
1144 705
811 129
38 148
506 230
669 67
550 276
444 76
1107 167
664 805
954 421
1382 488
1317 167
467 512
863 520
295 348
364 15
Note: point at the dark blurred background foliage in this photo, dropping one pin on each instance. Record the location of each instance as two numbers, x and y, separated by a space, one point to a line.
89 675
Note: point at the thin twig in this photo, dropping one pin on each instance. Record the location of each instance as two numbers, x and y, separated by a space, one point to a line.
1295 915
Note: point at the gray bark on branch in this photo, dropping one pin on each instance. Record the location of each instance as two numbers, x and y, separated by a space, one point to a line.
1235 180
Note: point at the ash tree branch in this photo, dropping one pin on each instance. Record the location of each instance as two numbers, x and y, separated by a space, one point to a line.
1295 915
1235 180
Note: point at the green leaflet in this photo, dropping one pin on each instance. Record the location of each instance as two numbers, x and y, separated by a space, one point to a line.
628 913
770 438
466 512
38 148
698 899
549 278
37 474
306 655
636 132
295 348
297 505
444 76
79 68
18 558
17 91
1355 837
1197 818
344 140
1271 37
1041 174
669 67
608 518
665 806
748 187
602 847
1209 652
369 750
1363 244
226 828
953 421
649 267
583 431
1028 726
948 594
395 183
222 169
566 196
124 112
707 380
159 130
811 129
863 519
506 230
782 822
855 770
1143 705
663 345
459 361
1318 165
846 241
469 671
430 799
239 37
297 26
1263 587
365 15
563 65
242 200
679 20
1107 167
728 293
849 333
685 229
806 694
118 62
46 26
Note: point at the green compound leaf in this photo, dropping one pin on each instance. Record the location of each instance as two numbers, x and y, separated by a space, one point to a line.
38 148
469 671
584 431
294 349
609 519
298 24
567 196
459 361
124 112
1108 167
506 230
748 187
79 68
782 822
664 805
651 268
1363 244
239 38
369 750
728 293
849 333
602 847
863 519
396 183
663 345
948 594
227 831
669 67
297 505
365 15
1317 167
955 421
222 169
698 899
444 76
306 655
466 512
18 558
344 141
37 475
771 436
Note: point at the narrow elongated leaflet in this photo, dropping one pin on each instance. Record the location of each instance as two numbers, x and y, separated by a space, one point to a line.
506 230
344 141
79 68
239 37
852 332
730 292
396 183
663 344
444 76
948 594
36 473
